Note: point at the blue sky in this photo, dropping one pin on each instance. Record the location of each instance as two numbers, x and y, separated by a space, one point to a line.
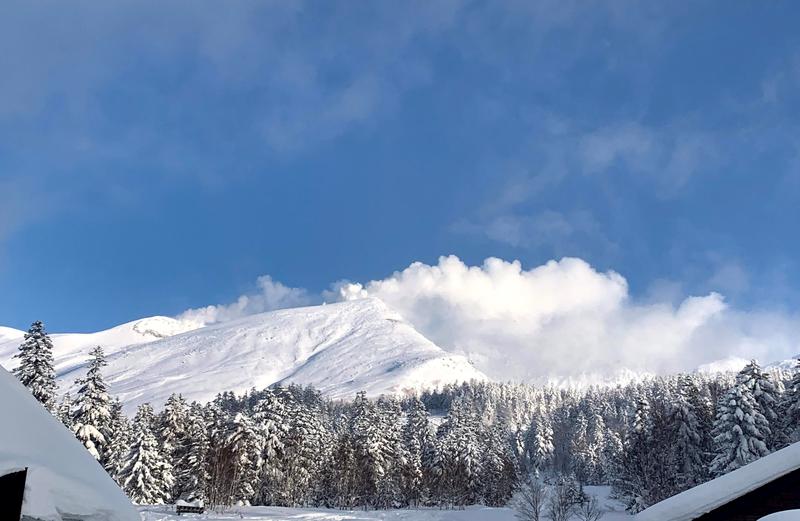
160 156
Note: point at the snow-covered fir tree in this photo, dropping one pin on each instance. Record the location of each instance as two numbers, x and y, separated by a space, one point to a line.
119 434
270 419
767 399
172 426
740 430
35 370
191 469
368 450
790 405
91 414
458 440
691 440
539 443
306 452
64 411
146 476
416 440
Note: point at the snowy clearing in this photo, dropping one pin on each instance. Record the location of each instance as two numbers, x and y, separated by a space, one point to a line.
615 512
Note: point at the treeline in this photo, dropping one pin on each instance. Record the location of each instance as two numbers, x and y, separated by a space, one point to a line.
465 444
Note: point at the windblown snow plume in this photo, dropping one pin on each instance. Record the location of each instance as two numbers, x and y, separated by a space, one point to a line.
566 318
272 295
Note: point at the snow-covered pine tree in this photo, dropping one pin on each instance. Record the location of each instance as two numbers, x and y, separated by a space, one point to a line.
499 466
172 426
416 440
740 430
582 464
691 444
392 452
271 422
146 475
119 432
766 396
369 464
459 446
35 370
634 482
791 407
245 447
64 411
307 450
91 413
596 433
539 443
191 471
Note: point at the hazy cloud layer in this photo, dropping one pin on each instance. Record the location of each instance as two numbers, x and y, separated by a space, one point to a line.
561 318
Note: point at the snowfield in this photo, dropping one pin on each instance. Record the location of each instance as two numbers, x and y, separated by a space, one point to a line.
339 348
615 512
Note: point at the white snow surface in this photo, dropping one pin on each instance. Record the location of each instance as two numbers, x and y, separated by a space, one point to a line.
614 512
63 479
788 515
339 348
704 498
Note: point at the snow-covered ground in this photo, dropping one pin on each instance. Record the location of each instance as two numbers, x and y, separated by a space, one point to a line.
339 348
615 512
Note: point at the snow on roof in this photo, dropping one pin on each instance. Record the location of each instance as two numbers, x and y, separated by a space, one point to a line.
63 480
704 498
788 515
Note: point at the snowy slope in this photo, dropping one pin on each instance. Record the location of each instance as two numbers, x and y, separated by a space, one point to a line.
72 349
63 479
339 348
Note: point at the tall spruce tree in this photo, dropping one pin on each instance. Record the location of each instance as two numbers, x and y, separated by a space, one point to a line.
539 443
791 407
35 370
146 475
740 430
691 440
172 426
64 411
91 414
767 399
119 444
191 472
416 439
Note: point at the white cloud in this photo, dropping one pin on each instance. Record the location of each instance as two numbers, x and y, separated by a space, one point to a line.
272 295
566 318
563 318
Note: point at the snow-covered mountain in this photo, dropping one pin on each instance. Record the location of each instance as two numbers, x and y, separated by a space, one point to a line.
339 348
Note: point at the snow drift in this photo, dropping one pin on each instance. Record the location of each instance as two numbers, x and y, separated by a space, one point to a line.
64 481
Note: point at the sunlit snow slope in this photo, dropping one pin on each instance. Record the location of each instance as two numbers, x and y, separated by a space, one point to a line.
339 348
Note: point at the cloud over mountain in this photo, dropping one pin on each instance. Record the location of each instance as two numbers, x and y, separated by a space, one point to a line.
560 318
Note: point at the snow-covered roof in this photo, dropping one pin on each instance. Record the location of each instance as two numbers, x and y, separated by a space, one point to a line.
63 480
788 515
704 498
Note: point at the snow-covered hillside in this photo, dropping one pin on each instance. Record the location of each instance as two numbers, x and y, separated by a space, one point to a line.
339 348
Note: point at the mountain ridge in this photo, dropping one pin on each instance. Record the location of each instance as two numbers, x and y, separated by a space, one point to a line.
339 348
